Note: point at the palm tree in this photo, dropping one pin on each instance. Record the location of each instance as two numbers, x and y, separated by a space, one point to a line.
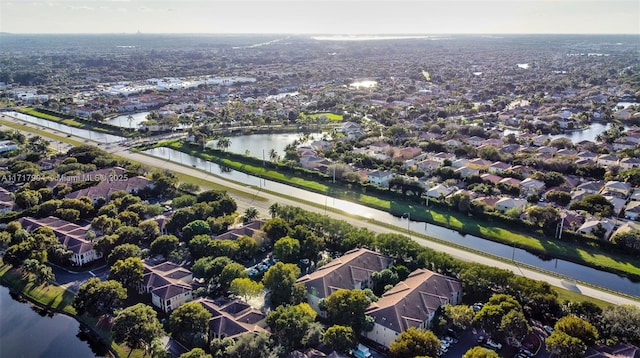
273 210
223 143
273 155
250 214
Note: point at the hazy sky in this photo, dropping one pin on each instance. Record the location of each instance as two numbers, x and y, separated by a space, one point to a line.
320 16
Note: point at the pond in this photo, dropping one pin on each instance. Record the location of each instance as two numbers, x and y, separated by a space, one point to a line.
123 120
28 331
258 145
562 267
589 134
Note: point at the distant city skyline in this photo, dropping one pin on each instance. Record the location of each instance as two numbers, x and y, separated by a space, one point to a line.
322 16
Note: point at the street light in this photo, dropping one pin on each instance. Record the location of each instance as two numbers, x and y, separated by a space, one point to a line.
408 223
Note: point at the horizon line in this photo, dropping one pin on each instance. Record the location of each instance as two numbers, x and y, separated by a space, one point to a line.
322 34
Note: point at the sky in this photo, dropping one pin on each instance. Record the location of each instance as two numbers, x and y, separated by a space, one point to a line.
321 16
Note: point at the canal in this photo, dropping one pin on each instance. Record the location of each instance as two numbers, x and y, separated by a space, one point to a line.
572 270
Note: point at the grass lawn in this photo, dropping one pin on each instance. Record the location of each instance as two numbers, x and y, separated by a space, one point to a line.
331 116
568 295
452 219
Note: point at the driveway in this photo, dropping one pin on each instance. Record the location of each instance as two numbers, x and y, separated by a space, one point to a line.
73 280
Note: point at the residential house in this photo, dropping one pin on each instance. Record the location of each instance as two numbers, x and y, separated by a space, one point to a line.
232 318
489 201
7 146
587 155
353 270
566 152
589 226
411 303
629 163
632 210
250 229
618 204
510 181
168 283
635 196
406 153
321 145
607 160
531 186
547 150
479 164
459 163
617 188
442 156
6 201
380 177
491 178
313 162
428 165
475 141
505 204
541 140
466 172
379 147
592 187
439 191
105 188
72 236
498 167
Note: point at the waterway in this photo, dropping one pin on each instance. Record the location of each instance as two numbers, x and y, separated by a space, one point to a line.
123 121
28 331
575 136
82 133
569 269
258 145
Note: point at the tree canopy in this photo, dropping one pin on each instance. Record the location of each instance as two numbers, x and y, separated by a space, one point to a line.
414 342
137 326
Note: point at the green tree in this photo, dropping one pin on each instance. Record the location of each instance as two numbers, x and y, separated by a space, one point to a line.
99 298
136 326
246 287
564 345
495 315
128 272
460 315
150 229
287 249
382 279
250 214
578 328
559 197
164 244
196 353
414 342
480 352
341 338
247 247
210 268
621 323
280 279
122 252
347 307
595 204
276 228
190 323
290 324
231 272
194 228
253 346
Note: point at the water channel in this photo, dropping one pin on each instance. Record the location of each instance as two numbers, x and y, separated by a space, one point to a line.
575 136
566 268
28 331
82 133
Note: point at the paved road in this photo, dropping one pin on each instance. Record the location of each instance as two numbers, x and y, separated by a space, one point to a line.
263 207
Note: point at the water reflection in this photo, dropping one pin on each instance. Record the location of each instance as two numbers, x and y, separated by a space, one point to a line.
566 268
82 133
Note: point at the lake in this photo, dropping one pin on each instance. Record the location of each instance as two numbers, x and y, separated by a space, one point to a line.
28 331
259 144
123 120
576 136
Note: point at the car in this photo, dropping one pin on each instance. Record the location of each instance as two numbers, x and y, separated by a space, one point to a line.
480 339
526 353
447 339
492 344
549 329
452 333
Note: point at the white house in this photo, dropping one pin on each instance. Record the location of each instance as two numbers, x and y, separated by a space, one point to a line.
7 146
530 186
505 204
379 177
439 191
589 226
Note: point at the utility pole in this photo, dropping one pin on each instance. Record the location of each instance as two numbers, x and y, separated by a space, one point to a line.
408 223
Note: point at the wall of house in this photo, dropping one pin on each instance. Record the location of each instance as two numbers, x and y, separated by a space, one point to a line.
179 300
382 335
85 258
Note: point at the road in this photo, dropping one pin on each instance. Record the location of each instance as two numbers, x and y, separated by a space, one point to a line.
263 207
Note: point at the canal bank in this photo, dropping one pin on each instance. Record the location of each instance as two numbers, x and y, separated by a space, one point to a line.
568 269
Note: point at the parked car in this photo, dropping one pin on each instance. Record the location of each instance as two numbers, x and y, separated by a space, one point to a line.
549 329
526 353
494 345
